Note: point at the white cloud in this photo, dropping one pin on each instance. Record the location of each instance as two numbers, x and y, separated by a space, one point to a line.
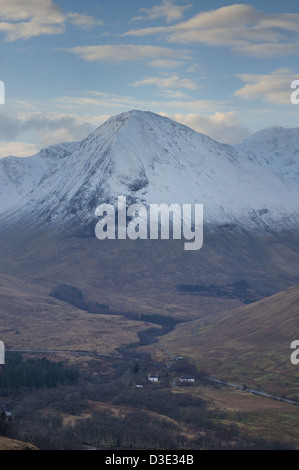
167 10
223 127
267 50
97 100
165 63
20 10
172 94
29 29
90 99
189 106
271 88
52 128
18 149
83 21
168 82
238 26
43 128
21 19
121 52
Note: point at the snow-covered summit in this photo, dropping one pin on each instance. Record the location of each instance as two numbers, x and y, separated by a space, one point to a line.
150 159
277 149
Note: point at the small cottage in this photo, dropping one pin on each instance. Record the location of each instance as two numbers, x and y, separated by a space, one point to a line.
188 380
153 378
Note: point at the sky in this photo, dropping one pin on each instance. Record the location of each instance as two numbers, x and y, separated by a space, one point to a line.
222 68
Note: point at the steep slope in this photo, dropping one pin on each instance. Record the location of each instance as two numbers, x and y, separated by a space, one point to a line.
248 345
276 149
32 320
20 177
150 159
12 444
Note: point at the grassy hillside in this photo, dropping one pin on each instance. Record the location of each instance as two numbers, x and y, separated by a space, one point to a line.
12 444
249 345
31 319
143 275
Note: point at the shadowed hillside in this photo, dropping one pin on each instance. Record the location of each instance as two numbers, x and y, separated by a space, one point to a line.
249 345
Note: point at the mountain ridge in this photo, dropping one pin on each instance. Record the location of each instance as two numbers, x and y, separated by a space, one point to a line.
149 159
275 148
48 236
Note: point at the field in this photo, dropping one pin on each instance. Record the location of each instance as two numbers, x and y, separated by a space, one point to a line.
12 444
32 320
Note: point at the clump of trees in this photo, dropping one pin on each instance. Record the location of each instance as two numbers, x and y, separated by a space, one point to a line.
38 414
18 374
166 321
74 296
135 430
237 290
185 368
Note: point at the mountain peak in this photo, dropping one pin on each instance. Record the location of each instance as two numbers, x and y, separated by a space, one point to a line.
275 148
142 120
274 132
150 159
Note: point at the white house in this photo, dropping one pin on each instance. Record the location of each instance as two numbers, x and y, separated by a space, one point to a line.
188 380
153 378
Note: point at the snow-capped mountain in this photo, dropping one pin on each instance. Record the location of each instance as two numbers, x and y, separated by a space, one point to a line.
19 177
277 149
152 159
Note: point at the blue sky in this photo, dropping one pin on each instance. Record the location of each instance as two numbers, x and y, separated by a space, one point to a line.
222 68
